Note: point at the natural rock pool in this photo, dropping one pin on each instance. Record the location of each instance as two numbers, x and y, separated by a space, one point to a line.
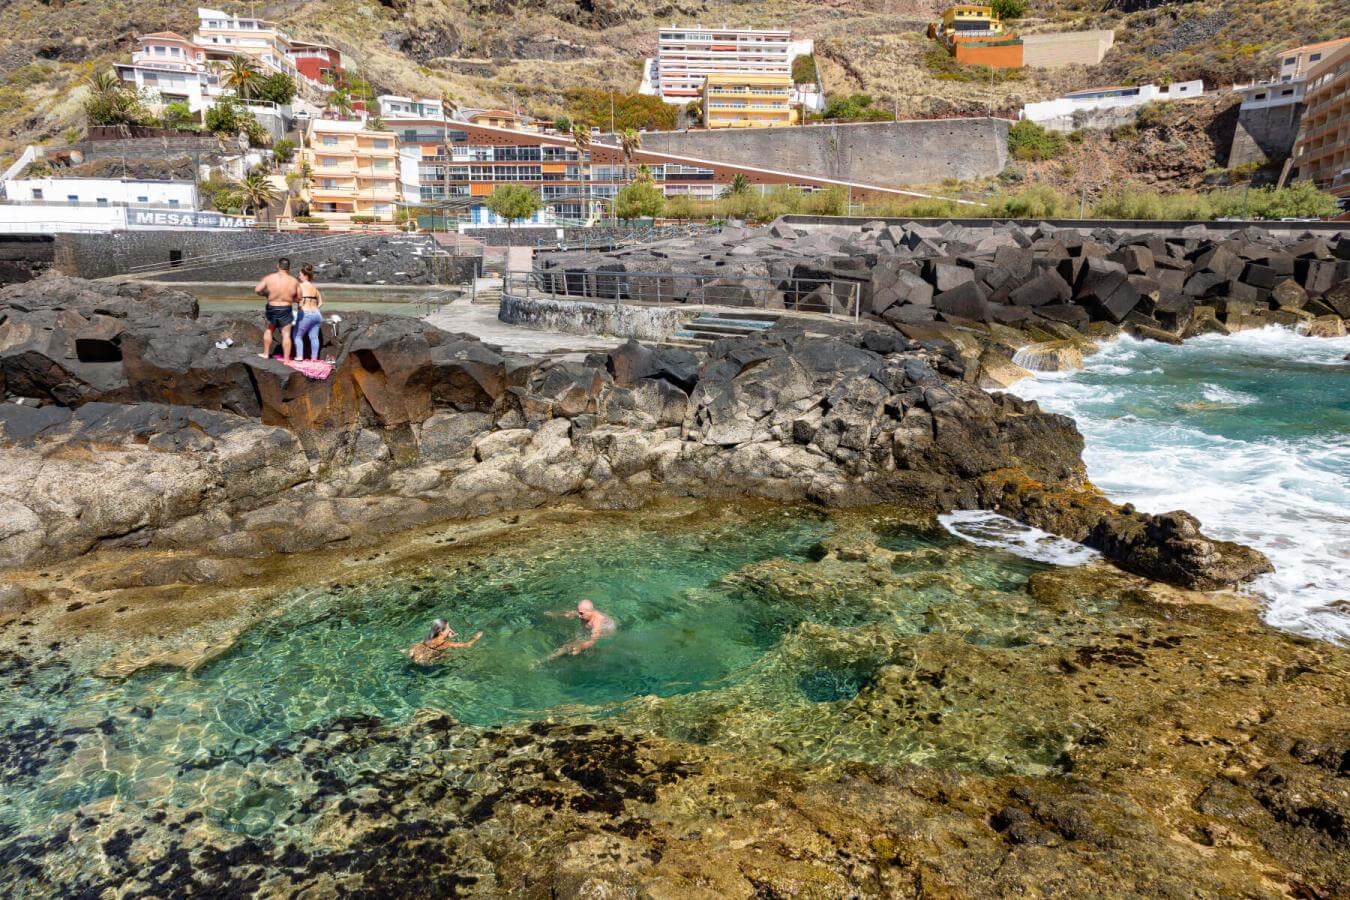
749 629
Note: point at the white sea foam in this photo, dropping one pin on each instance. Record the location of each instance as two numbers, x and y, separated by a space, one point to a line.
989 529
1216 394
1288 496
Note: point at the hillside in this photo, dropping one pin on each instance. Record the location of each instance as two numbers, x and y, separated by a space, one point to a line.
530 52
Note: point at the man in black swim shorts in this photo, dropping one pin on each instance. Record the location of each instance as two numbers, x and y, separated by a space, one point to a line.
282 290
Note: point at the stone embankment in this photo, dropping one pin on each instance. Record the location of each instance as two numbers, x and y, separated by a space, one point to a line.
1044 291
128 425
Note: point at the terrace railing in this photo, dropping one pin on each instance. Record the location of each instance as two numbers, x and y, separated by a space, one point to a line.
840 299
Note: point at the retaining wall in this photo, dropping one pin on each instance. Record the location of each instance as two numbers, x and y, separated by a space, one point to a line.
1166 228
339 259
1265 134
890 154
24 257
646 323
1065 48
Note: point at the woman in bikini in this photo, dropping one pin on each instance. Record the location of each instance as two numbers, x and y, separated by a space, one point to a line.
307 326
440 639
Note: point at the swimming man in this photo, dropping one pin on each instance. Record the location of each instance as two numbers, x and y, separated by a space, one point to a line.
597 625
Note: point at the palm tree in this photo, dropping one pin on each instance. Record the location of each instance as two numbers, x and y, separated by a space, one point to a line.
340 101
629 142
256 192
581 136
103 85
242 76
739 185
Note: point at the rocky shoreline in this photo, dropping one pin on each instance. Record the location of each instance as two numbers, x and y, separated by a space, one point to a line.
136 430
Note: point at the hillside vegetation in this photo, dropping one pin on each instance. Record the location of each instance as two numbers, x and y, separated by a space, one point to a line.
534 54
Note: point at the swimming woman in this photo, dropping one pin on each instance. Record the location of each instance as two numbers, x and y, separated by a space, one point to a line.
440 639
308 325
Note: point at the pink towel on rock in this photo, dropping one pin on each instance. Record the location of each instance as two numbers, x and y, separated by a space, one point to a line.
312 368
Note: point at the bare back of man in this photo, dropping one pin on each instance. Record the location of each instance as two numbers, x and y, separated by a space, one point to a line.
282 290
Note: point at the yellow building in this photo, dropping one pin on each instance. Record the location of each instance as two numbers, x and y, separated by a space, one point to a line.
967 20
354 171
747 101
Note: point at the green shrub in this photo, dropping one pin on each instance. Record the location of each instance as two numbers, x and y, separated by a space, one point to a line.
310 220
1150 115
1124 133
283 150
1037 201
854 108
637 111
365 220
1008 10
1029 141
640 200
278 88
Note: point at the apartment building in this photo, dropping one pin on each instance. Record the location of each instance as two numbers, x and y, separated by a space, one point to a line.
687 55
223 35
1322 149
354 170
748 101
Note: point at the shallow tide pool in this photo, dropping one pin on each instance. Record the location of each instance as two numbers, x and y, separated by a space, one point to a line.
718 613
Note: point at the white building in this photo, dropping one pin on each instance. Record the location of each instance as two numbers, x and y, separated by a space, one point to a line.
1059 114
1289 87
686 55
392 106
98 192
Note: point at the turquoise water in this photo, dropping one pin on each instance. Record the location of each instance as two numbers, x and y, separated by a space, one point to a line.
1249 433
715 612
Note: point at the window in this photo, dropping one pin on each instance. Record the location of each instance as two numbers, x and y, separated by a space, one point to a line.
1259 97
72 198
1287 93
330 140
173 202
175 258
142 199
1314 58
102 201
37 193
381 144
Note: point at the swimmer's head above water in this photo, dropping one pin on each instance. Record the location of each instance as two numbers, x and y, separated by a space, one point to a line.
585 607
438 628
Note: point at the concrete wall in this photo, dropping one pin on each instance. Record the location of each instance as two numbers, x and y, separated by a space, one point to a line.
645 323
1064 48
1265 134
891 154
222 256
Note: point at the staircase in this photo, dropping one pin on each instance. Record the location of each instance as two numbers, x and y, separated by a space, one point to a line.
711 327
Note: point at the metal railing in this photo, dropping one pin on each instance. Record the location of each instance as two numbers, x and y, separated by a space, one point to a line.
842 299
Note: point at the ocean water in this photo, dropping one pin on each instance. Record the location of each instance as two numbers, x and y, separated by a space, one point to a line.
1249 433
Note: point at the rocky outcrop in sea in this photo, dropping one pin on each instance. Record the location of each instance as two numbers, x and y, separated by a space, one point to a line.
133 421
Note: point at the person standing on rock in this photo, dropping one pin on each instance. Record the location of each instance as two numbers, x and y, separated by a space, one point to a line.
440 639
281 290
597 625
307 327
